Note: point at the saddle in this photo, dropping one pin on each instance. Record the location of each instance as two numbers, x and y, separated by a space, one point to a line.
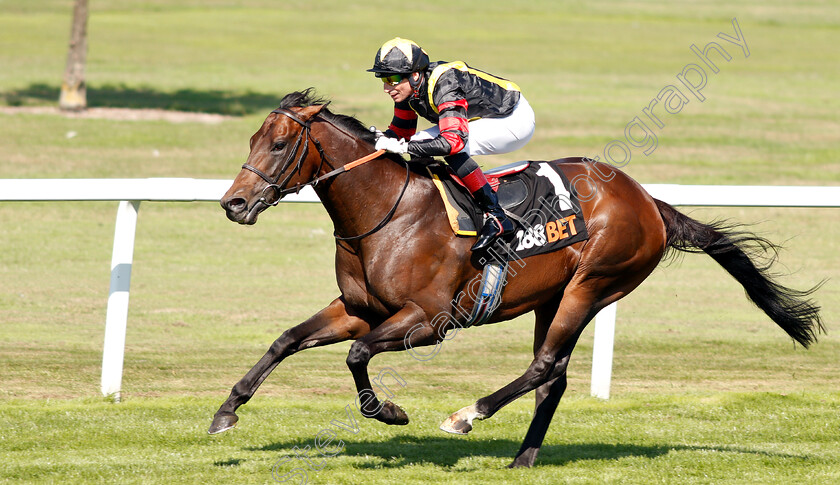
536 195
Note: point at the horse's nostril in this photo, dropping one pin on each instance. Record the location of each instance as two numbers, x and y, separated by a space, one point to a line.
235 204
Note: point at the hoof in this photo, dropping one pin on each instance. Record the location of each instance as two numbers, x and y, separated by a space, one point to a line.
461 422
393 414
523 461
222 423
456 427
526 457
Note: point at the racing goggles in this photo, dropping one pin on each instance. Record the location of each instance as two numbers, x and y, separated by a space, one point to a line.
393 79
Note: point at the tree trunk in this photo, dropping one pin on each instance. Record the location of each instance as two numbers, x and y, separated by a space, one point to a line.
73 91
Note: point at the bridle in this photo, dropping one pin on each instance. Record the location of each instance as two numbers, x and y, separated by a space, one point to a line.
279 189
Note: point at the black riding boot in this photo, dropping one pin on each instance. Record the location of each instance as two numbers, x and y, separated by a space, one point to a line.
496 223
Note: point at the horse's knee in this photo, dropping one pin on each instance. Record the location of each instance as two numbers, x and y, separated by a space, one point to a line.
359 355
283 342
541 368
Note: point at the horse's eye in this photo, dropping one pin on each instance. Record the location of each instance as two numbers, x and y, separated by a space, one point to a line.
278 146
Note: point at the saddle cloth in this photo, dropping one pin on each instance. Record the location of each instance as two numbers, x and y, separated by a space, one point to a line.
536 196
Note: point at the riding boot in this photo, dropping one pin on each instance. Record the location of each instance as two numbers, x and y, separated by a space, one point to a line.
496 223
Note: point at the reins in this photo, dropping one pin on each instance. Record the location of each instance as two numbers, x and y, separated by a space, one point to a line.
349 166
385 219
280 189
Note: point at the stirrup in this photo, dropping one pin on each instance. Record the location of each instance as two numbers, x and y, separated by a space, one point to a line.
492 229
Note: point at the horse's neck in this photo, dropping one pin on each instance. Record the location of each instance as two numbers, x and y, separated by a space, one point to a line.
358 199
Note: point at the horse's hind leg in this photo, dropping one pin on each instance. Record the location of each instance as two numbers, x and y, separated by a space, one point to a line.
330 325
579 304
603 280
547 395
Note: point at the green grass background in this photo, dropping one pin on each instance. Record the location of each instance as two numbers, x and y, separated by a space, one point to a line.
705 388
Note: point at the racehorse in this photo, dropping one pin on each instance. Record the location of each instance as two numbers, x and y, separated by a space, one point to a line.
398 263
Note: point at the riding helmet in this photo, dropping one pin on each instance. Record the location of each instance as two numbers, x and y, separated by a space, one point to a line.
399 56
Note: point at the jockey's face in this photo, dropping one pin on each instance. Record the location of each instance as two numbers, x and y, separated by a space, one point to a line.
402 90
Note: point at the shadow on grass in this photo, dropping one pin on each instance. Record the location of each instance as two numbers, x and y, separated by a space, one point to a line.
445 452
111 96
230 462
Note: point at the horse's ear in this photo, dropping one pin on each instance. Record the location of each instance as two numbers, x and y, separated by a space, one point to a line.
310 112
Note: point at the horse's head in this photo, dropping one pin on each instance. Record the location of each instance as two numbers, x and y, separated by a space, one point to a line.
280 159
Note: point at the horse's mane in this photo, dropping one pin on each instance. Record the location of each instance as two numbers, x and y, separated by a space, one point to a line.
307 97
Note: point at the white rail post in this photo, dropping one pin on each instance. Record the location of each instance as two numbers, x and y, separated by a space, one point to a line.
602 352
117 313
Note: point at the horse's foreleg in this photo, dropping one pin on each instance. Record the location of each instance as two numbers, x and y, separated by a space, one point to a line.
389 336
330 325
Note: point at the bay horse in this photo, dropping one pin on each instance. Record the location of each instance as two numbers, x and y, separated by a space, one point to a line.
398 263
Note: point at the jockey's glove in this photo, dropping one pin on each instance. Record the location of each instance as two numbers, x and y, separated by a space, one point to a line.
392 145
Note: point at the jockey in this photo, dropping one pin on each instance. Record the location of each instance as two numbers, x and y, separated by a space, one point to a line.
475 113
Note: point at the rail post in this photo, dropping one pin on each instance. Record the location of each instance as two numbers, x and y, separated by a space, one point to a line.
602 352
116 316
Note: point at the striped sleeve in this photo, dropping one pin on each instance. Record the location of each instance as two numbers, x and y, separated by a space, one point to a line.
404 123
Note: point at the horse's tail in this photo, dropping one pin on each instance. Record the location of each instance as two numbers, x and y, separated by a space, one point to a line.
738 251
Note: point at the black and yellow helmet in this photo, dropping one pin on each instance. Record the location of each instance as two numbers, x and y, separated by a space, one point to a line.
399 56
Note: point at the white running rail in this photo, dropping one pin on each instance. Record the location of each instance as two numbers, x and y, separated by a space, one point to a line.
130 192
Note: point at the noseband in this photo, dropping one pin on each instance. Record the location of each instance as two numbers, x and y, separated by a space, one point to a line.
279 190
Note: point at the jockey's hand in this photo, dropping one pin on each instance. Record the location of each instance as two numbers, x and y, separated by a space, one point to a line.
392 145
377 133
